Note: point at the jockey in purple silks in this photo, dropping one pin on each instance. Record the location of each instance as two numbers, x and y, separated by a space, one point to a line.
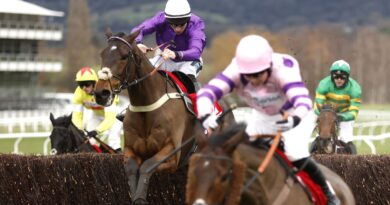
269 82
186 30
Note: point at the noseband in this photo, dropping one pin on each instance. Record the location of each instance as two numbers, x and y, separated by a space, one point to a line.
124 84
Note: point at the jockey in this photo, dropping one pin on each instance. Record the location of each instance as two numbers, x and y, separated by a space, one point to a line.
103 119
269 82
185 29
343 92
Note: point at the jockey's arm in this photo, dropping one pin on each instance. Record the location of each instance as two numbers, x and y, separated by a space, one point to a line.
109 118
354 106
148 26
196 44
77 116
78 109
219 86
320 98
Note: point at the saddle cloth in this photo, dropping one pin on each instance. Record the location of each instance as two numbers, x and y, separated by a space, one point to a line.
317 195
186 89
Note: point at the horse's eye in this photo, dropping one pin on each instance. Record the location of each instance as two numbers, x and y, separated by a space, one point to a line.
124 57
225 177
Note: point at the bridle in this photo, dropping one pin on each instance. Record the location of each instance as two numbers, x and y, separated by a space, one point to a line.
230 169
124 84
335 116
68 132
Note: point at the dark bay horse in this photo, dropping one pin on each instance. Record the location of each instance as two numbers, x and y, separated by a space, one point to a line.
156 122
327 141
224 165
67 138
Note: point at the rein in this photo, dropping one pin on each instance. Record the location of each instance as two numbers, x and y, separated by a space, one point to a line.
124 83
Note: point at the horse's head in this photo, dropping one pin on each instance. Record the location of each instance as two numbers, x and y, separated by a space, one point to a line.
60 135
214 173
66 137
119 60
327 129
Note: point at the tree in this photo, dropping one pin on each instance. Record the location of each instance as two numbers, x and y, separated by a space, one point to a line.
79 49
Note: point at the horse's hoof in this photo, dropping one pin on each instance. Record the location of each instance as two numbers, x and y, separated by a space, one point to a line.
140 201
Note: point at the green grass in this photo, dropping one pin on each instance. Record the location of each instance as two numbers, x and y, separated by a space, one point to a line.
35 145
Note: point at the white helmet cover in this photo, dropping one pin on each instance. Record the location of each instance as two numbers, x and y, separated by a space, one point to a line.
177 9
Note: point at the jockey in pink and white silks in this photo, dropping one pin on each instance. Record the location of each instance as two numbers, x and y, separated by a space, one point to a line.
269 82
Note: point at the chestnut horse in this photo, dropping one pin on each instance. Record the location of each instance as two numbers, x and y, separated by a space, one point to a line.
220 173
327 141
156 122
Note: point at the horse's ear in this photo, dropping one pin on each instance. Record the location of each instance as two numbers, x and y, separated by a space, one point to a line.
52 118
239 135
108 32
134 35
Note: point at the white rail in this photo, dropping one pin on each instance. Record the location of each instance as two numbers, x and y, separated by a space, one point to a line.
366 132
33 124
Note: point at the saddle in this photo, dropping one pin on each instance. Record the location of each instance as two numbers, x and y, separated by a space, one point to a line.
186 89
314 191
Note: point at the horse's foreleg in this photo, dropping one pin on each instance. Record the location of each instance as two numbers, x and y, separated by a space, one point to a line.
145 174
131 170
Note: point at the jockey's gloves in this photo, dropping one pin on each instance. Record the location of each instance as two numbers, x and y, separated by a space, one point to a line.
142 47
289 123
204 107
210 122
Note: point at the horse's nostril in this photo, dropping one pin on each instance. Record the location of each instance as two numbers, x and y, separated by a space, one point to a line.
105 93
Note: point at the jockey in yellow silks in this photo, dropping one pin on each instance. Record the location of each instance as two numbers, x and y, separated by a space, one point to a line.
102 121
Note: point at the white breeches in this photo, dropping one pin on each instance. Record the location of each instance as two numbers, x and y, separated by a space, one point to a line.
346 131
187 67
113 134
296 140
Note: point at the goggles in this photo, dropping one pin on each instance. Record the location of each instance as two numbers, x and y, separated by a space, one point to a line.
255 75
177 25
340 76
86 83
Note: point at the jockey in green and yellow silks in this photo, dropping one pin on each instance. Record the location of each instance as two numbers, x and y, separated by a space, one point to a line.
102 121
342 92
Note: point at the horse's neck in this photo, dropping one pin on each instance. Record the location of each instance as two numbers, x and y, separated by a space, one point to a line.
76 134
148 90
274 175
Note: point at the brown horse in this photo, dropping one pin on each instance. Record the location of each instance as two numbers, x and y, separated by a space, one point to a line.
327 141
157 121
224 167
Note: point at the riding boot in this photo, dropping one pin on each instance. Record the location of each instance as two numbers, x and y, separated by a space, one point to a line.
313 146
318 177
351 147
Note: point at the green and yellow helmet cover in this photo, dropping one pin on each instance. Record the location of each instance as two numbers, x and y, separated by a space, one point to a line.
340 65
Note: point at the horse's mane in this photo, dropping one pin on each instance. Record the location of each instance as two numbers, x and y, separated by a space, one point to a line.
220 138
120 34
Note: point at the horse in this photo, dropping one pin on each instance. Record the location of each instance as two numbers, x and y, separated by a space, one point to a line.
157 121
224 171
67 138
327 141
